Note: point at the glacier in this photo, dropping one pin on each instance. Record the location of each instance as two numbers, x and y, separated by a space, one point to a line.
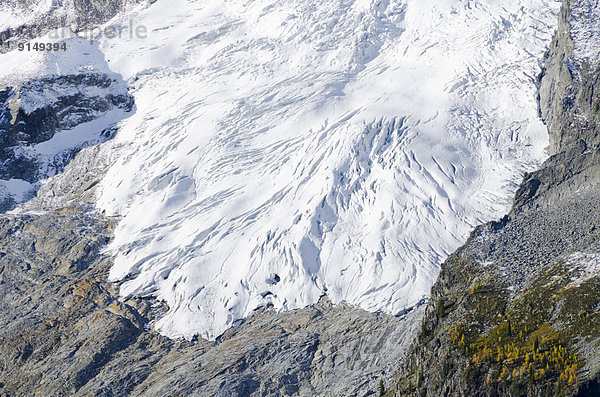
282 150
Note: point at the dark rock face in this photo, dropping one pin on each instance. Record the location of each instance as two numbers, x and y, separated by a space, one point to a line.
515 310
36 110
23 124
33 111
70 108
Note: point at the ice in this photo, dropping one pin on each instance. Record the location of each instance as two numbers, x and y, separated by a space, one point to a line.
346 147
286 149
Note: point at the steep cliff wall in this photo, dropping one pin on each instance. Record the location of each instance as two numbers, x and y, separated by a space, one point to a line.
570 88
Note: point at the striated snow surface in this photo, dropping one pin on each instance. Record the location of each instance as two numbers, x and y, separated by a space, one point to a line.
285 149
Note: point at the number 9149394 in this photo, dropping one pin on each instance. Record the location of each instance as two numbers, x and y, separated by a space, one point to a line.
42 47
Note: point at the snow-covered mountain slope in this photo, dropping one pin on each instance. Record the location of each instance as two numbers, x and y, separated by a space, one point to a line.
286 149
14 13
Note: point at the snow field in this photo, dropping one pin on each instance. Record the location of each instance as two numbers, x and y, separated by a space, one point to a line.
286 149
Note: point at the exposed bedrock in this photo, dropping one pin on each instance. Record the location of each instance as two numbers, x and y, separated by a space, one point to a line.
35 111
570 87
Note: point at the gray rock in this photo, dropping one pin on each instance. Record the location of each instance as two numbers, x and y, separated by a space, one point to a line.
70 105
65 331
570 91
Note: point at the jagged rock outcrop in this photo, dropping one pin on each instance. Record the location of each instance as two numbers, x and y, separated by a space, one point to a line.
515 310
569 94
36 110
50 112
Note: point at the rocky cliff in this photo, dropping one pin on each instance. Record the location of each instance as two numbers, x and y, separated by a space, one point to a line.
65 332
52 110
515 311
36 110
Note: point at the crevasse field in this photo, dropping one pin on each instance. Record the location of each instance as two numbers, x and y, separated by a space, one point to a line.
283 150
